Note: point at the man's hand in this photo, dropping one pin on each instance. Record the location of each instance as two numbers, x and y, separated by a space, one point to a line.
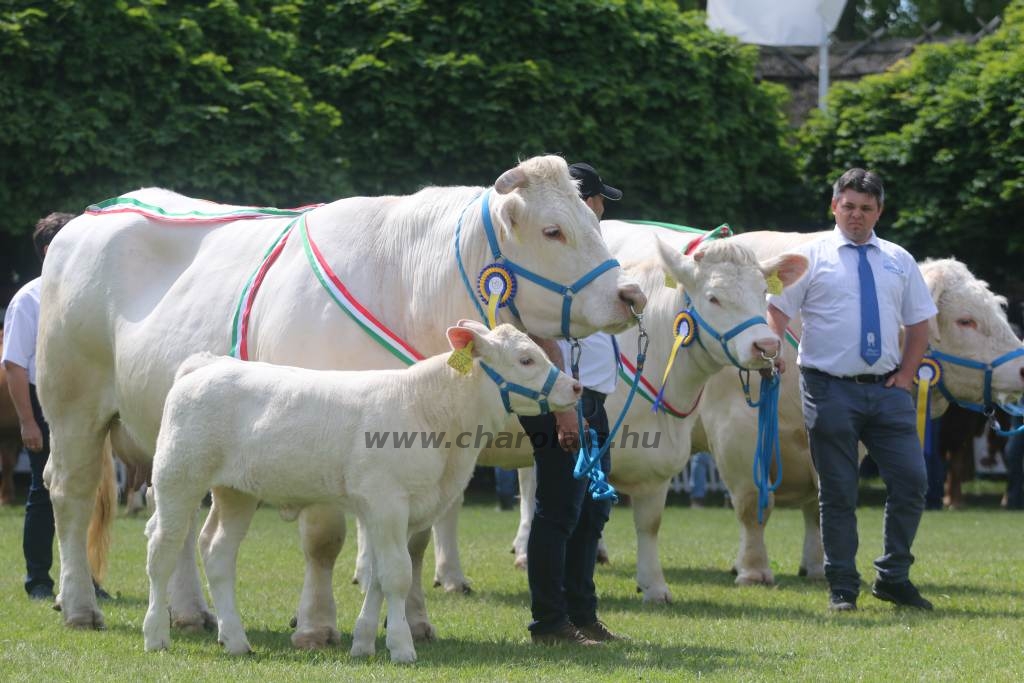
31 435
904 379
568 428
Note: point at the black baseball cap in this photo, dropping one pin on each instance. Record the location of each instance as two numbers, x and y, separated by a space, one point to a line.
591 183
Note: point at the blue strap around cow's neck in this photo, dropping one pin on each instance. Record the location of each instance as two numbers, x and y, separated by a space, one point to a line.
567 292
722 339
988 406
506 388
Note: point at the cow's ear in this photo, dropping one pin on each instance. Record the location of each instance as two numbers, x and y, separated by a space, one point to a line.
510 180
461 337
506 214
787 267
679 266
936 281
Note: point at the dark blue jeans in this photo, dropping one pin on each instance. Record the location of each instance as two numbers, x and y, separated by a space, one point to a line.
37 540
567 525
838 413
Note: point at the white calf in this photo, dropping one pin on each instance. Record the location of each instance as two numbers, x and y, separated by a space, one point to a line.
297 437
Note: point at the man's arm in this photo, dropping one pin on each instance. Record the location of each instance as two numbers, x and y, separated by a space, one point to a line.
915 343
17 386
777 322
566 421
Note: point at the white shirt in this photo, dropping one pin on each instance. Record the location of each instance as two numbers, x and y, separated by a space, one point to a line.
21 326
599 365
828 299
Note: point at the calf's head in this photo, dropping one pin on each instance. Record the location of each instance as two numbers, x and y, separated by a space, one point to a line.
515 359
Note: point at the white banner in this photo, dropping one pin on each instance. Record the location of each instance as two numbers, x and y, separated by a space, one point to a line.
776 22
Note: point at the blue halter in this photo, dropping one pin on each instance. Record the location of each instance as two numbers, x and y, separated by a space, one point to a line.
722 339
506 388
567 292
988 406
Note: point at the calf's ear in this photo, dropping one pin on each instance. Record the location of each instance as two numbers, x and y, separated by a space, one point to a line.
460 338
681 267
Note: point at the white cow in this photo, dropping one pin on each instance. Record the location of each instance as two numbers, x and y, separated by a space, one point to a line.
296 437
128 298
971 323
726 284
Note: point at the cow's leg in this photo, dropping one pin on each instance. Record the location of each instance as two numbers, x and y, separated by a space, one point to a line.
362 571
167 530
812 565
752 562
72 476
189 610
648 506
218 545
323 533
527 505
447 567
364 633
416 604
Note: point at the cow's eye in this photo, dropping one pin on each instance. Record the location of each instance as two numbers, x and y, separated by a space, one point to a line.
967 322
552 232
526 361
714 300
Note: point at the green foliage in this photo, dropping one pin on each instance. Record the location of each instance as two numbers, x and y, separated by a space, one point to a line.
945 128
99 98
281 102
908 17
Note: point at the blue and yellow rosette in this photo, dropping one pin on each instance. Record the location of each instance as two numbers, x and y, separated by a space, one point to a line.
685 328
496 286
929 372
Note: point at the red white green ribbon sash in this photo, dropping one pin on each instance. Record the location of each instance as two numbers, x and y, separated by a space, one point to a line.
627 372
221 213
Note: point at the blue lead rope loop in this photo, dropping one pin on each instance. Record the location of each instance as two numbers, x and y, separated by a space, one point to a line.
588 461
767 449
1013 410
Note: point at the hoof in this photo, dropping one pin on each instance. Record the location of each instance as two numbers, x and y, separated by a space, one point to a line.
316 638
755 578
815 574
520 562
194 623
365 650
656 596
403 656
92 619
422 631
454 587
237 649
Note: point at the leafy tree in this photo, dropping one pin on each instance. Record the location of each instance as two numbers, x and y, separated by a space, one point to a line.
944 128
906 17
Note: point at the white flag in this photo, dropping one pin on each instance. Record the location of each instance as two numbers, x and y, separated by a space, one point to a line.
776 22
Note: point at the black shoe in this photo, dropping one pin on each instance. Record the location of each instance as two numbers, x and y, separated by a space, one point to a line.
902 593
40 592
842 601
567 634
599 632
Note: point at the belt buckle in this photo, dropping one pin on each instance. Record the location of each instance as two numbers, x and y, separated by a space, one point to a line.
864 379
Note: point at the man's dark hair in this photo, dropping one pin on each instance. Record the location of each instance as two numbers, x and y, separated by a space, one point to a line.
859 180
47 228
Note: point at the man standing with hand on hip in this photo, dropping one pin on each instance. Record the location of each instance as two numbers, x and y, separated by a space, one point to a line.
856 384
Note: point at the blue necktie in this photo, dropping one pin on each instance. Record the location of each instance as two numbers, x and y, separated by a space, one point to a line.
870 327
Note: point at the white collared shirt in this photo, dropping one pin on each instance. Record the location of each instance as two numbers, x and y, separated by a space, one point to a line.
828 300
599 365
21 326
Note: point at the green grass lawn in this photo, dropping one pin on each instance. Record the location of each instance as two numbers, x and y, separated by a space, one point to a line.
970 565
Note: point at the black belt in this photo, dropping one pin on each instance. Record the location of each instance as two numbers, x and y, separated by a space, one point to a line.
858 379
595 395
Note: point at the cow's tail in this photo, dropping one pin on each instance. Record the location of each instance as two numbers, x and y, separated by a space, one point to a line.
194 362
103 512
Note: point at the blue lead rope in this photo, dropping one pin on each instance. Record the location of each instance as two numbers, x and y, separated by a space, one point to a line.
767 449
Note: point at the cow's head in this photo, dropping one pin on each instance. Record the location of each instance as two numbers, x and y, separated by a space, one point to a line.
543 226
971 324
516 359
726 285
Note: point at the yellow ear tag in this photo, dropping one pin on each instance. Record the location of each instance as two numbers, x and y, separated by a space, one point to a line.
462 360
670 281
774 283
